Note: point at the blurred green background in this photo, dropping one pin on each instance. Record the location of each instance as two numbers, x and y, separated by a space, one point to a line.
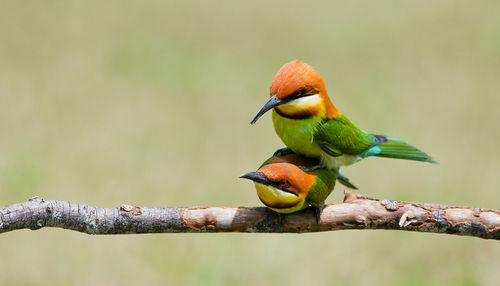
149 103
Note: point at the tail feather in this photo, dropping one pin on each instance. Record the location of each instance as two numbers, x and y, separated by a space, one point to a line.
345 181
396 148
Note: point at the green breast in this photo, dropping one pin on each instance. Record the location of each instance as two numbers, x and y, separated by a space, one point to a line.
297 134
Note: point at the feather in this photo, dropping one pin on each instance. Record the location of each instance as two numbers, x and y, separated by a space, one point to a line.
391 147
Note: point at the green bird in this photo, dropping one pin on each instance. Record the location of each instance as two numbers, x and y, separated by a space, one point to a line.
310 125
284 185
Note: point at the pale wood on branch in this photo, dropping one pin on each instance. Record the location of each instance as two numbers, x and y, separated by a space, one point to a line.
357 212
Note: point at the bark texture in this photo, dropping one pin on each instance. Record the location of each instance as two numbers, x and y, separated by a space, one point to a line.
357 212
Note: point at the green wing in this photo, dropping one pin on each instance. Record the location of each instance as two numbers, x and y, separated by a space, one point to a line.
325 182
340 136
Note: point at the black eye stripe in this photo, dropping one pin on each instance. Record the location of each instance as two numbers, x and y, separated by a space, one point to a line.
303 92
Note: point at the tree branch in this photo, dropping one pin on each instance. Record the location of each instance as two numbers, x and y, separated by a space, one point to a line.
357 212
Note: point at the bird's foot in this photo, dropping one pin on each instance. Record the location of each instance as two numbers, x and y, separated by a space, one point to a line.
281 218
311 169
283 152
317 212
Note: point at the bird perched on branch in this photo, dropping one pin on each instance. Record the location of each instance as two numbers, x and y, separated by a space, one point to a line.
310 125
284 185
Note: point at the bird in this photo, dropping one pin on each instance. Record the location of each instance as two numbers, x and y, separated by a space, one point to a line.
284 187
310 125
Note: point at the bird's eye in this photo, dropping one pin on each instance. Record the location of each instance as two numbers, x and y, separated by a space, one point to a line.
304 92
284 183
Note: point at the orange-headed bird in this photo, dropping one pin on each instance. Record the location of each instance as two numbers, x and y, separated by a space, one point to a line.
284 185
310 125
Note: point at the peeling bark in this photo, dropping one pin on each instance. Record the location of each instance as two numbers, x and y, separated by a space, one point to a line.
357 212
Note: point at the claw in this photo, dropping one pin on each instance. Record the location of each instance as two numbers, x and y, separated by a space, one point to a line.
281 218
283 152
318 211
311 169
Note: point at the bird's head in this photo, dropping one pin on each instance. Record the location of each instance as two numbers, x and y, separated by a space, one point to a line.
298 91
282 186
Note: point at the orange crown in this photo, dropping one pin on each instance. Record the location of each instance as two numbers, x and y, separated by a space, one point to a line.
297 76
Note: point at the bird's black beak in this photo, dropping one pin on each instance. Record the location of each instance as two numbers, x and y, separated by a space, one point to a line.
256 177
272 102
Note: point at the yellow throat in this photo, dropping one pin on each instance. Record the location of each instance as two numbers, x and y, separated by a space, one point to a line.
278 200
